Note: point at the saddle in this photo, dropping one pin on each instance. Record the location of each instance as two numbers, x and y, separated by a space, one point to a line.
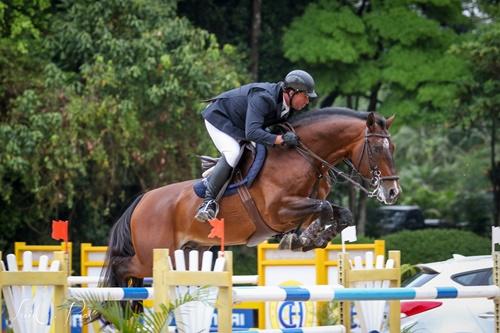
258 156
240 184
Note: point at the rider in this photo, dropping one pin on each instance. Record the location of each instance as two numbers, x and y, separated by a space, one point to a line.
243 114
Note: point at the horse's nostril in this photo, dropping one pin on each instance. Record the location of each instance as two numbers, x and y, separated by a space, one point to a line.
392 193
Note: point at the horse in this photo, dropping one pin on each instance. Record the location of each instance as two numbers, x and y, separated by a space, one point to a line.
290 191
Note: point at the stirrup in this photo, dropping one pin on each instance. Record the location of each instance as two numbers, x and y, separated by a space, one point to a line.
206 213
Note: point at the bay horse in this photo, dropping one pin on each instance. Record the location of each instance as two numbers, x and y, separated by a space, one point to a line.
290 190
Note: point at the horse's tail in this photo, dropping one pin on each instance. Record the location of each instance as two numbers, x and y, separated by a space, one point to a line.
120 251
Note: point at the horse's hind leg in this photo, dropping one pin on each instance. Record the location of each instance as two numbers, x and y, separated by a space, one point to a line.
129 272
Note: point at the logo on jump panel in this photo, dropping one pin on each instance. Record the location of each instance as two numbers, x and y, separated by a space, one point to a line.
291 314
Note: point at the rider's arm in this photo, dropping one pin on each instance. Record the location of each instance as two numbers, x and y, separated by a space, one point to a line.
259 104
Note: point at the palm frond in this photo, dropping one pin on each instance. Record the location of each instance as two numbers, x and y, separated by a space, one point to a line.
120 315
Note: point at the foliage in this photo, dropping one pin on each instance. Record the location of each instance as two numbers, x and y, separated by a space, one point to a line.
388 53
407 270
444 172
479 97
22 23
388 56
117 113
230 21
121 316
328 313
431 245
246 257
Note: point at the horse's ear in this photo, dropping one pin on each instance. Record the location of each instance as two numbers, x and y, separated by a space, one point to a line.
370 121
389 121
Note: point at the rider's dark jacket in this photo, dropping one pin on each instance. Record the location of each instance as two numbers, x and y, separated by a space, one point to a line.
244 112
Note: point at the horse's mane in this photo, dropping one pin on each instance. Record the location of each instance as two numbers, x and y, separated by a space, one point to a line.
315 115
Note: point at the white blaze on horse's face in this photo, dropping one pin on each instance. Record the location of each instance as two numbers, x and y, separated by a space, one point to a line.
388 190
386 144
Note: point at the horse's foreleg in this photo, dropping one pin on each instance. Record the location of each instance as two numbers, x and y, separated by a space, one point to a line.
331 221
298 210
301 208
319 234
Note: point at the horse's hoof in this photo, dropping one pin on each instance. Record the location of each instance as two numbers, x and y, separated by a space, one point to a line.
290 242
285 243
342 217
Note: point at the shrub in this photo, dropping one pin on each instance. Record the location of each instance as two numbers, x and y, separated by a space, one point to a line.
436 244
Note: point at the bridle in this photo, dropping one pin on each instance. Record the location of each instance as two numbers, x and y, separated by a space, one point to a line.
374 171
376 176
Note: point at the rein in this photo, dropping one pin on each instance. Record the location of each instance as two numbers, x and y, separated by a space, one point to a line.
376 179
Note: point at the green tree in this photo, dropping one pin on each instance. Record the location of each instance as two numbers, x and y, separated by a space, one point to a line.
23 23
444 172
391 52
231 21
479 96
387 56
117 113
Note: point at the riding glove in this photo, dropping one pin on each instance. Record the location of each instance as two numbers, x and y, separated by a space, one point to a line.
290 139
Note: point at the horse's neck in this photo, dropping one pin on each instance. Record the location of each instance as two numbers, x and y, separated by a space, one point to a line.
332 140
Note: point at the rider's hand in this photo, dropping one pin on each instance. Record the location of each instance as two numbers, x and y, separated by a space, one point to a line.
290 139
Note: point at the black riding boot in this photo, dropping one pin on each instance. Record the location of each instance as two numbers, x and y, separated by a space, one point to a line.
208 209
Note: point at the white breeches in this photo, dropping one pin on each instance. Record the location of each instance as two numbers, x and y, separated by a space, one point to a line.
227 145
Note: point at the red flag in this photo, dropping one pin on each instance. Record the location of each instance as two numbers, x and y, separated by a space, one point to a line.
60 230
217 231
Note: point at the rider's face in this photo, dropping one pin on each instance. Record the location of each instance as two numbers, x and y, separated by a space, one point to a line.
300 100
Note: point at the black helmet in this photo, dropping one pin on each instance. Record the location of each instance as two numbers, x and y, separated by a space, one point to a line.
301 81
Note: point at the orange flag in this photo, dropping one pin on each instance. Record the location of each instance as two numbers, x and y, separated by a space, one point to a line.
217 231
60 230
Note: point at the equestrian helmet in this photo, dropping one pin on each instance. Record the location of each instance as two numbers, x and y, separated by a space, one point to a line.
301 81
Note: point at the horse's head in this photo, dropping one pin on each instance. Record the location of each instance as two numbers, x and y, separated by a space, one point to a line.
373 158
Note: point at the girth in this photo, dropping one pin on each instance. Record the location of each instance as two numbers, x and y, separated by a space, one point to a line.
262 230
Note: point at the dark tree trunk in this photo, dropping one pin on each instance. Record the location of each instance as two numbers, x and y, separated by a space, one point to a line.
329 99
349 101
361 215
254 39
374 97
356 102
352 203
